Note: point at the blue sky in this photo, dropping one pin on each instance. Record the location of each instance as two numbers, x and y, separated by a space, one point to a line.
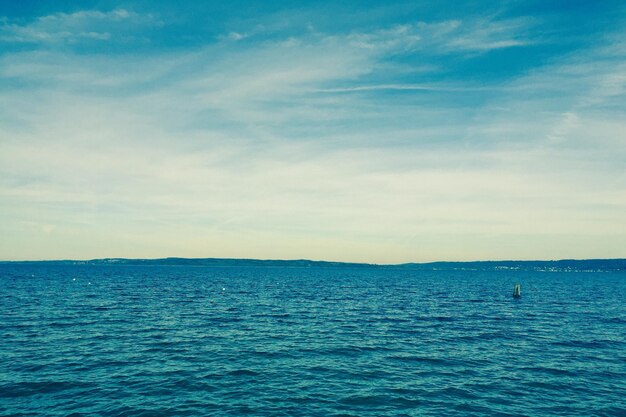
357 131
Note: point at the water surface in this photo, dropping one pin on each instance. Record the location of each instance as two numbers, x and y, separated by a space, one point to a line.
182 341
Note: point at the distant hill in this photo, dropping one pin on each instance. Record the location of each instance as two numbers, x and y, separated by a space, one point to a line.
560 265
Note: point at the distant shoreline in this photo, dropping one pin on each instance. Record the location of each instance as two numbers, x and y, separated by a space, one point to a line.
580 265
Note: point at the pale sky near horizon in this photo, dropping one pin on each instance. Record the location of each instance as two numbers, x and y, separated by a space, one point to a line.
353 131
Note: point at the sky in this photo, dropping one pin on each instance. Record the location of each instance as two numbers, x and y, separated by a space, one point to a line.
363 131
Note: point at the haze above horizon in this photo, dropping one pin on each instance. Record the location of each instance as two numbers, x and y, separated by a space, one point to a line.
353 131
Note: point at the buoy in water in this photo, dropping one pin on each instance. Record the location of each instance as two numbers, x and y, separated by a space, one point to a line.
517 291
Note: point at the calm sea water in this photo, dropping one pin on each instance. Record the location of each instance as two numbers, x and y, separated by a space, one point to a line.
187 341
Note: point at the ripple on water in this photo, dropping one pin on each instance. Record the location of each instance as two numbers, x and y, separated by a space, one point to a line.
178 341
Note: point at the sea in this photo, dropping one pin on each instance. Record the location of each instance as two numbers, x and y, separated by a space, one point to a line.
121 340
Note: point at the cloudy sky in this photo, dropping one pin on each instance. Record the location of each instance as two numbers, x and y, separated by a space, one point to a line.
357 131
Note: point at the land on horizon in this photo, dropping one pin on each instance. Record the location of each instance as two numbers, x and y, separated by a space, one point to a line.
618 264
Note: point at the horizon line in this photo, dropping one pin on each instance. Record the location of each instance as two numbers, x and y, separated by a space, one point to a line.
311 260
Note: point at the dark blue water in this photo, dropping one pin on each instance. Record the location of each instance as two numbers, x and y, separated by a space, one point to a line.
183 341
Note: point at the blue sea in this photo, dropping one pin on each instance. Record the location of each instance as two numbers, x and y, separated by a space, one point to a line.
81 340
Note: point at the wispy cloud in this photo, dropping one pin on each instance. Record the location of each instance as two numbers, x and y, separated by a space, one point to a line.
86 25
235 36
484 35
404 87
471 35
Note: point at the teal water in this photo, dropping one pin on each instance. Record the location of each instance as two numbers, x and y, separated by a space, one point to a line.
194 341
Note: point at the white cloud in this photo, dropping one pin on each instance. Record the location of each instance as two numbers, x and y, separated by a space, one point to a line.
485 35
70 27
236 36
405 87
472 35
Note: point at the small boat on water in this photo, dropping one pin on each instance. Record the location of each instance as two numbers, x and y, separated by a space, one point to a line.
517 291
